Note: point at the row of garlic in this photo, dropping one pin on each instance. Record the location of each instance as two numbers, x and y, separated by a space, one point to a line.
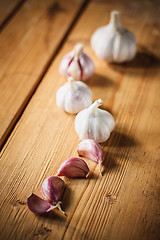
76 97
113 43
52 187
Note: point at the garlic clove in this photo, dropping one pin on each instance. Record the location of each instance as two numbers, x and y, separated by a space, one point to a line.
74 70
73 96
77 64
73 167
113 42
94 123
38 205
52 189
91 149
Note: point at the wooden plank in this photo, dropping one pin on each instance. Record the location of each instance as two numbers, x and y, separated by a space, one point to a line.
7 8
28 43
124 203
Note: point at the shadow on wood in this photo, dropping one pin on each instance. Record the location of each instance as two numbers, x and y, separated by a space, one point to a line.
109 162
99 80
92 175
119 139
66 198
54 215
143 59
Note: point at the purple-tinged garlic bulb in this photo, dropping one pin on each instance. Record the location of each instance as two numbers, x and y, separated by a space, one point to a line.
73 96
74 167
91 149
77 64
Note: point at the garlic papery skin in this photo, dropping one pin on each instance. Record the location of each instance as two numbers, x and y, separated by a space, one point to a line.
73 96
113 42
94 123
91 149
38 205
74 167
52 189
77 64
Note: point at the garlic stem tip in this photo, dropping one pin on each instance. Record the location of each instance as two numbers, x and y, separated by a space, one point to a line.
99 101
115 12
30 195
79 47
70 79
88 174
99 163
59 207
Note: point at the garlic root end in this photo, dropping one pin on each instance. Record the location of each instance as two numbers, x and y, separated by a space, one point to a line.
58 205
100 163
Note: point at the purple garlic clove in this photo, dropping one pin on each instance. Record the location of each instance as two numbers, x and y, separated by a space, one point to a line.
38 205
77 64
91 149
52 189
73 167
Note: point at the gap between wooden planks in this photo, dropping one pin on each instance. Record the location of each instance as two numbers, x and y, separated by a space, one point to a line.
124 203
7 9
28 45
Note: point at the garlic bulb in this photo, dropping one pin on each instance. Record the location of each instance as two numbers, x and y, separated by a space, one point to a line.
73 96
113 42
77 64
94 123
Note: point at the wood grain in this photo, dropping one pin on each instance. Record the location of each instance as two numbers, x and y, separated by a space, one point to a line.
28 43
8 8
125 202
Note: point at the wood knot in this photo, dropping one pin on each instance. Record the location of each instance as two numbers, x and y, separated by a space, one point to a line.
21 202
54 8
42 232
111 199
18 202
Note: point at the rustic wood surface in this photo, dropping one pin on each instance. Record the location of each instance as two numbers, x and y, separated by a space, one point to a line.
28 43
7 9
125 202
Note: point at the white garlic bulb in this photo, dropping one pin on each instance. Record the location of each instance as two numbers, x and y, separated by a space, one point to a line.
77 64
94 123
113 42
73 96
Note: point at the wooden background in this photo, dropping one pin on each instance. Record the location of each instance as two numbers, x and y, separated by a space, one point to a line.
36 136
